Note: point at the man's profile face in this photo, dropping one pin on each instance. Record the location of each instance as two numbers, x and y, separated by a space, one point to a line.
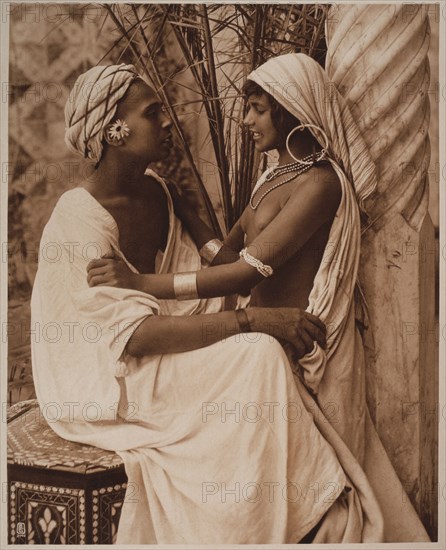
150 137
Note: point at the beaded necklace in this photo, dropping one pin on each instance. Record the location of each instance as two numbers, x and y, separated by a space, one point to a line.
298 167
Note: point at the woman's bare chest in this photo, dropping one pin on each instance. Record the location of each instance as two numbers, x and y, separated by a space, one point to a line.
263 209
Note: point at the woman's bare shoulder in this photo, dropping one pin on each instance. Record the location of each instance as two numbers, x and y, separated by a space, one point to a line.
326 173
326 182
320 187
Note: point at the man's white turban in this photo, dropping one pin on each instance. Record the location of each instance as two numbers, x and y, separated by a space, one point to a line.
92 104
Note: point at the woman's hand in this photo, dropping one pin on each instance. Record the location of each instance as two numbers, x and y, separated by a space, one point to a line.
111 270
296 326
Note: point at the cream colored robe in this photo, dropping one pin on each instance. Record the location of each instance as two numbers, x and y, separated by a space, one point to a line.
337 377
217 443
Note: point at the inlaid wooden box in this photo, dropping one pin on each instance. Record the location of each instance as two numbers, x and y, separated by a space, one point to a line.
59 492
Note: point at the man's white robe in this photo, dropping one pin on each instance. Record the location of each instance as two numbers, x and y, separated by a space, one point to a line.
217 441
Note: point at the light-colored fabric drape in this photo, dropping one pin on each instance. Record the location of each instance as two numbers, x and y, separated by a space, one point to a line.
337 377
204 473
300 85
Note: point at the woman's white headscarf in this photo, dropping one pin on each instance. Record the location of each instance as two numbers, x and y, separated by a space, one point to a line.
92 104
300 85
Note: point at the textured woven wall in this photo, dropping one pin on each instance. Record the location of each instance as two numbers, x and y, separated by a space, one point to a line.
378 56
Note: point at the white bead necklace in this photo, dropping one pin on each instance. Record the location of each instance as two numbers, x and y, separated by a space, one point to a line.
298 167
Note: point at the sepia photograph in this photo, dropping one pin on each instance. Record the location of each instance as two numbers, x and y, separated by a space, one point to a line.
222 277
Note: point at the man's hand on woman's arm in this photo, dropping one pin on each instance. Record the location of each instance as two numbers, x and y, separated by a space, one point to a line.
222 280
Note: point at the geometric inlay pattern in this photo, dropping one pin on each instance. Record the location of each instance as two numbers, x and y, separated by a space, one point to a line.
32 442
107 504
60 492
52 515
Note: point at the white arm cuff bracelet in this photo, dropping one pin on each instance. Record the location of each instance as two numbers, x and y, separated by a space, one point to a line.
185 285
209 250
263 269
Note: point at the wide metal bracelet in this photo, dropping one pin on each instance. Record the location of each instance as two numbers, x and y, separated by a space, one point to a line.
185 285
263 269
209 250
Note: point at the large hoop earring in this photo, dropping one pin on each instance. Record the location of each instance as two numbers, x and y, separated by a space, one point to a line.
301 127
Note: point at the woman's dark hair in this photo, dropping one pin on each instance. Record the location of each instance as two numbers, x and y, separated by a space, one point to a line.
283 120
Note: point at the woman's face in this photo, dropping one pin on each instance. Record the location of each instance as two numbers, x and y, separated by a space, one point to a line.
259 122
150 138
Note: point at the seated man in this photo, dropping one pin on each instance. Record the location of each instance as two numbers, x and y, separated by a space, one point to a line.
214 435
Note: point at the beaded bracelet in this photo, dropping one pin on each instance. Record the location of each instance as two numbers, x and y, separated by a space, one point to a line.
185 285
210 249
263 269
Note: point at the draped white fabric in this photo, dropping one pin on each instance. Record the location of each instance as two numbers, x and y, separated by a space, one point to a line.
198 471
203 472
300 85
337 377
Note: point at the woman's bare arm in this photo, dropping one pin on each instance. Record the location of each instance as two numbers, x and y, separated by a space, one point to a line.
315 203
201 233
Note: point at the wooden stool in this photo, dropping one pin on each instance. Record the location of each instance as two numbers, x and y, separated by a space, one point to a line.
59 492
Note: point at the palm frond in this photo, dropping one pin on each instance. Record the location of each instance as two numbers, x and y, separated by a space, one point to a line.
216 46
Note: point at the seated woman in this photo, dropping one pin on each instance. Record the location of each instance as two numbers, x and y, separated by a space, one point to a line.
299 244
217 443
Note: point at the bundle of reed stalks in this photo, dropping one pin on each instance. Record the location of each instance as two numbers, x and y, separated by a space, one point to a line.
197 57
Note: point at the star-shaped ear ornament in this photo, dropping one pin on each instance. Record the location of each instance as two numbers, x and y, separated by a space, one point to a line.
118 130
